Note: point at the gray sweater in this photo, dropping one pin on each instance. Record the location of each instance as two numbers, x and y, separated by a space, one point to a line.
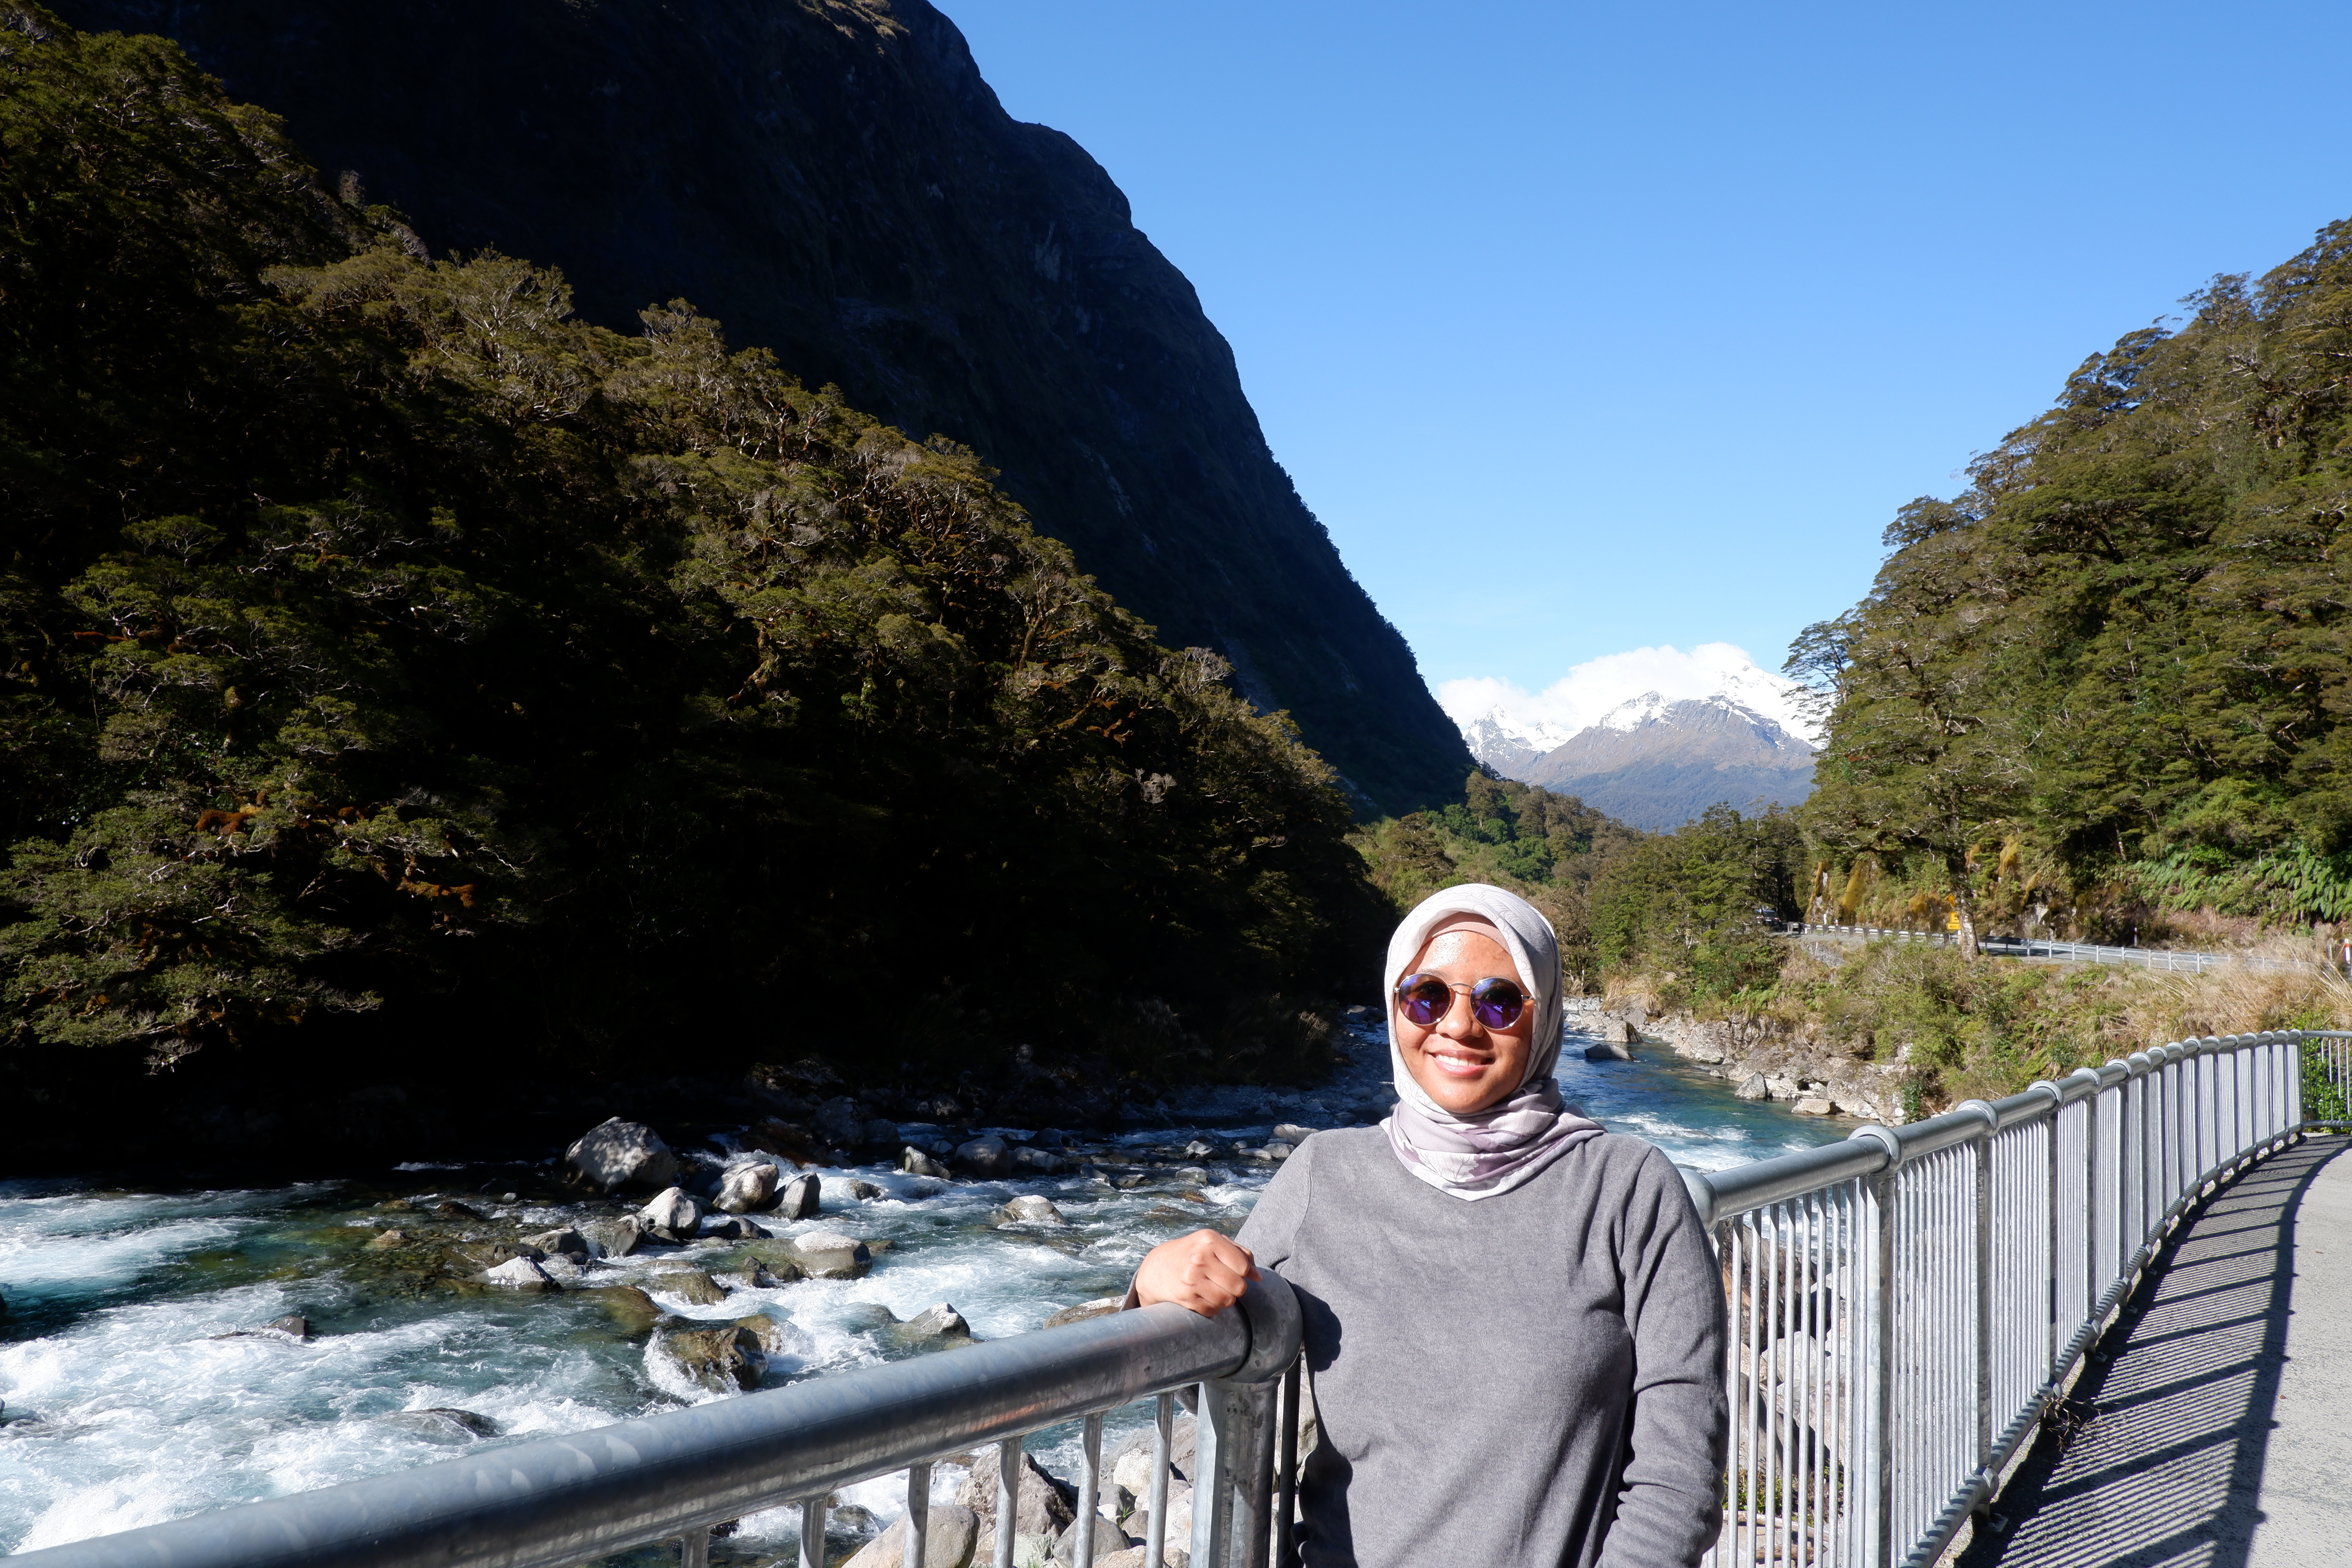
1533 1380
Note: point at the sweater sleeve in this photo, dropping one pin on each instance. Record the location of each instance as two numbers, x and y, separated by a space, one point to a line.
1271 1232
1670 1506
1272 1227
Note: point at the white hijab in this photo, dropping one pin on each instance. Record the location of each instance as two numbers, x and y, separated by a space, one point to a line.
1507 1144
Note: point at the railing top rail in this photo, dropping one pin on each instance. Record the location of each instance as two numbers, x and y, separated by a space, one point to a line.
564 1500
1720 1194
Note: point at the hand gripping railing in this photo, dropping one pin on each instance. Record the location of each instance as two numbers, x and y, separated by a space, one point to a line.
1904 1306
561 1501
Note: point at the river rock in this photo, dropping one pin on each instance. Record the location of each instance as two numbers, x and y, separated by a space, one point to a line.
387 1239
566 1242
1274 1153
1290 1132
614 1237
1811 1105
672 1216
1037 1163
723 1360
1754 1087
880 1134
841 1123
735 1227
617 1154
952 1542
798 1198
777 1337
634 1311
746 1187
1608 1051
988 1158
1109 1538
445 1425
293 1326
1085 1309
1172 1555
692 1286
1030 1209
939 1322
915 1162
452 1209
1130 1463
520 1273
1041 1506
831 1255
1617 1031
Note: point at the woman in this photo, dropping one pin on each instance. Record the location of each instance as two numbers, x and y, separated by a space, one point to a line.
1514 1321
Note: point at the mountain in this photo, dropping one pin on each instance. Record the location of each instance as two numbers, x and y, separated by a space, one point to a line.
834 180
1508 744
1657 764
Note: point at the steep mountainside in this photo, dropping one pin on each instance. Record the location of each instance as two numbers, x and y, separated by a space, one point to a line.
1657 764
835 180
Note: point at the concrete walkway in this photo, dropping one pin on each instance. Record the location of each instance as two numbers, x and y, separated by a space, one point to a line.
2213 1426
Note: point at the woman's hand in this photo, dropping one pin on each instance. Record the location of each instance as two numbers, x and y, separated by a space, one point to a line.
1203 1272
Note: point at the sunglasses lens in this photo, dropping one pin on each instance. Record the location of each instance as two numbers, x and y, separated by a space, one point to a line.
1497 1002
1424 998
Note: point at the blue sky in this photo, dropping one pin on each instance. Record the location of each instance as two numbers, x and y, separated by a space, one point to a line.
1586 330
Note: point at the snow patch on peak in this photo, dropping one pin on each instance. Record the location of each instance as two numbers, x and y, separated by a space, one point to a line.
1635 711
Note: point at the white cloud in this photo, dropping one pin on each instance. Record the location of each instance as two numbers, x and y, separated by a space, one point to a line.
1579 698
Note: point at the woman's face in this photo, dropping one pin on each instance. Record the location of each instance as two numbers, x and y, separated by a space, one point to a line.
1459 1062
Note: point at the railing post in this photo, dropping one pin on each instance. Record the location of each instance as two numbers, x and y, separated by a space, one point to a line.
1875 1487
1983 1143
1233 1524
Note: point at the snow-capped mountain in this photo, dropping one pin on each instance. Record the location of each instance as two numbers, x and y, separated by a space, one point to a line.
1507 744
1657 764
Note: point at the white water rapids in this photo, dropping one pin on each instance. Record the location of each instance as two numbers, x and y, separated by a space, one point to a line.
121 1404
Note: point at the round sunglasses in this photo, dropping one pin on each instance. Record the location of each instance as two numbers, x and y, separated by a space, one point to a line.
1426 998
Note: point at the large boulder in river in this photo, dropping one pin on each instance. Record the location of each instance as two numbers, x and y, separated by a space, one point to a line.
798 1198
953 1541
988 1157
1608 1051
723 1360
613 1238
1030 1209
833 1254
672 1216
915 1162
522 1274
746 1187
1041 1505
617 1153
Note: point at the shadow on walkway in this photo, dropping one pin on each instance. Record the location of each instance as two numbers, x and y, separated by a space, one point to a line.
2159 1457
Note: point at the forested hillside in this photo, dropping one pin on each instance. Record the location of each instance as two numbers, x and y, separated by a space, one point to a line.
407 680
836 182
2111 678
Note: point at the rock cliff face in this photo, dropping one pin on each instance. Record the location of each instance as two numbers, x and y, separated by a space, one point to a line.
834 180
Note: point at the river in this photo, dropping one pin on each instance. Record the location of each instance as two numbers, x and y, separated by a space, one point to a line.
133 1387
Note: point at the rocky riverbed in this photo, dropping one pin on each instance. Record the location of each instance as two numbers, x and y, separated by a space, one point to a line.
270 1340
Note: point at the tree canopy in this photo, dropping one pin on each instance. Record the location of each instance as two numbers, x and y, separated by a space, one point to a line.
391 656
2115 669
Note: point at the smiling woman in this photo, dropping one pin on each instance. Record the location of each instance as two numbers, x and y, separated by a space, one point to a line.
1547 1281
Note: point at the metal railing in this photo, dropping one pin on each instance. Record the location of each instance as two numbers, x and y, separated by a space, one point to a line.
2179 961
1903 1307
563 1500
